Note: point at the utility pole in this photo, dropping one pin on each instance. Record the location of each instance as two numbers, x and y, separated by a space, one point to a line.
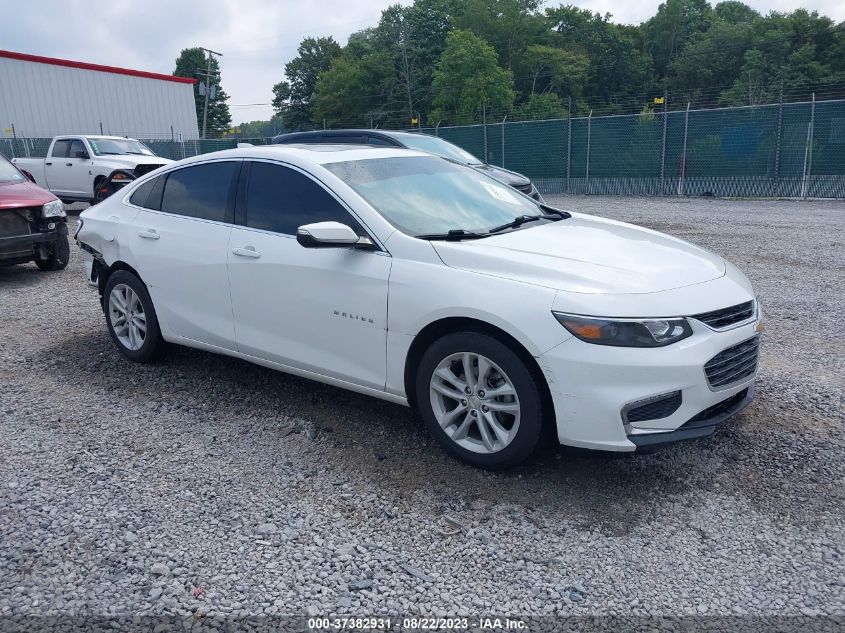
207 74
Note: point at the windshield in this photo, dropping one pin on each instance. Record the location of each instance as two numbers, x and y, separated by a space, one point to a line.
423 195
103 146
9 173
434 145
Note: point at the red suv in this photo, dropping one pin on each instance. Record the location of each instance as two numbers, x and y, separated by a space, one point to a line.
33 223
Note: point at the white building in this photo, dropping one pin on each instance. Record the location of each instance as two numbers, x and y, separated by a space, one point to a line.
43 97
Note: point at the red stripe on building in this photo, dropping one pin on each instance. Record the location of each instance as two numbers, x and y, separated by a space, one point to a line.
53 61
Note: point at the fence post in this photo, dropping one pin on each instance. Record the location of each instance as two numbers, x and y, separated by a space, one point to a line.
808 149
503 140
589 124
684 154
568 141
663 144
777 189
484 129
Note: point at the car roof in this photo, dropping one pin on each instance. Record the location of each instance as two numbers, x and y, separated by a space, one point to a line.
304 153
396 134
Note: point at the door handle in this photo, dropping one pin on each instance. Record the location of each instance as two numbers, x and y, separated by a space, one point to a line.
68 164
48 163
246 251
150 234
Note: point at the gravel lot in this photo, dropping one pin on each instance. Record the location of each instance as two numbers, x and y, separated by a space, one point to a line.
206 486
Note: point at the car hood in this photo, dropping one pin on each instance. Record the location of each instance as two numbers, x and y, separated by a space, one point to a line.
131 160
14 195
504 175
587 255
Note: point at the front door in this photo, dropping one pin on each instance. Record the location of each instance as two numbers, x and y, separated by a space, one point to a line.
322 310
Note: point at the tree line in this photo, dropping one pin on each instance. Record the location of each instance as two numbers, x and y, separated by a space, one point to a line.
457 61
452 61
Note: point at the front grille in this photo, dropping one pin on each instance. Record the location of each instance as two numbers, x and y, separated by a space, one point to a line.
654 408
719 319
733 364
140 170
14 222
711 415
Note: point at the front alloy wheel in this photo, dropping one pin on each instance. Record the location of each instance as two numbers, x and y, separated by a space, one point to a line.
475 402
480 399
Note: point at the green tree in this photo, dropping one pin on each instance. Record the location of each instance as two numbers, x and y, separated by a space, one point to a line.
353 91
674 25
292 97
735 12
509 25
542 106
555 70
619 66
413 38
189 62
467 78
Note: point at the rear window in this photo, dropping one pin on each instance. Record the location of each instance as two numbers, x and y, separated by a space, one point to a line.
142 193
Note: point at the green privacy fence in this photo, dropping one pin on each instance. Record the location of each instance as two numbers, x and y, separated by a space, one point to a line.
778 150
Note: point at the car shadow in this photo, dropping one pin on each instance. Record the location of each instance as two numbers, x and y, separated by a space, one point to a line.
21 276
387 445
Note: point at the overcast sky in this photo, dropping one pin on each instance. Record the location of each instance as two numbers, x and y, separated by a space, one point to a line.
256 37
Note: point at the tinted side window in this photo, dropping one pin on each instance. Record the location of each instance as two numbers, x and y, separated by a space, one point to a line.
76 146
202 191
142 193
60 149
281 199
378 140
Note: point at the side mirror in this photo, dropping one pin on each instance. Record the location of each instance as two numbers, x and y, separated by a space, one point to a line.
82 154
328 234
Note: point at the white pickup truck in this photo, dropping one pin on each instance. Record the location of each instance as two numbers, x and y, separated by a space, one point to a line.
89 168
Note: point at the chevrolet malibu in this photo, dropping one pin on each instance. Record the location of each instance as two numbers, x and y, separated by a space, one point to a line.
407 277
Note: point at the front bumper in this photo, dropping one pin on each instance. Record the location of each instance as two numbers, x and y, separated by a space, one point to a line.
592 386
21 246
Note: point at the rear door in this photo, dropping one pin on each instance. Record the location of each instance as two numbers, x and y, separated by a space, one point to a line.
180 240
322 310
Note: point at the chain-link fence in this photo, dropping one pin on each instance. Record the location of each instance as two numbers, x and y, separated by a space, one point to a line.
775 150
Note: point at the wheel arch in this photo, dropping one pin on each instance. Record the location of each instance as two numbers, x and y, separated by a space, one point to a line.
107 271
449 325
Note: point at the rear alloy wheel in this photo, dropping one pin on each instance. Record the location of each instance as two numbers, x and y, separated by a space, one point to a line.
131 318
479 400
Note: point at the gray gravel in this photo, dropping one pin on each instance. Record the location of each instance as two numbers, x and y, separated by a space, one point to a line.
205 486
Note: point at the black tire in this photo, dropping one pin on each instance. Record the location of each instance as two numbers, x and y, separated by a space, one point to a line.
98 195
59 255
154 346
529 432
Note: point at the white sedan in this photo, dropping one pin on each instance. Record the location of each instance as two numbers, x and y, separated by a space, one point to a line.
410 278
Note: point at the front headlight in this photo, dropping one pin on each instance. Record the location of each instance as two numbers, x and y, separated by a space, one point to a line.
54 209
625 332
